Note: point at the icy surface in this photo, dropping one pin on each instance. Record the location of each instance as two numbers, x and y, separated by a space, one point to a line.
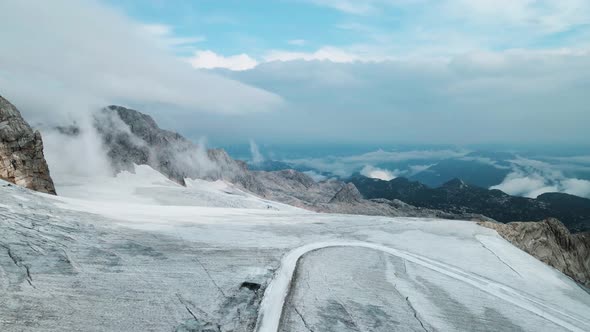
149 187
140 253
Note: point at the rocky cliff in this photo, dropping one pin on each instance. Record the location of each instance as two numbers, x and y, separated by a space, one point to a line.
21 152
132 137
550 242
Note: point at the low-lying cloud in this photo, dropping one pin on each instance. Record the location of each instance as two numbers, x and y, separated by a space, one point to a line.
63 60
377 173
532 178
344 166
519 184
256 155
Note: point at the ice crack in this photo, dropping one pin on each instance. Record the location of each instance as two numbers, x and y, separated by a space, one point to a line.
415 314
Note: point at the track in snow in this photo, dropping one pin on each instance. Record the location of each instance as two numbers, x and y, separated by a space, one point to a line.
271 307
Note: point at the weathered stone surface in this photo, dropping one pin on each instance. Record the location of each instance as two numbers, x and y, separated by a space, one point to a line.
348 194
552 243
21 152
132 137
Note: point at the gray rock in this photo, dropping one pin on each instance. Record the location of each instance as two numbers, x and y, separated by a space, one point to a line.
348 194
132 137
552 243
21 152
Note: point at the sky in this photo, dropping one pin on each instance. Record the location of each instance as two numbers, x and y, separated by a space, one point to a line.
310 71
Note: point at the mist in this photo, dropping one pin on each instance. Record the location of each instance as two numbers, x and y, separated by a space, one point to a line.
257 157
59 66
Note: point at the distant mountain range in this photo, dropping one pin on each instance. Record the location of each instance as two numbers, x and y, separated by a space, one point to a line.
458 197
471 170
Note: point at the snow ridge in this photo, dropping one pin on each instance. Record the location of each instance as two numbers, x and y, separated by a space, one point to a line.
271 308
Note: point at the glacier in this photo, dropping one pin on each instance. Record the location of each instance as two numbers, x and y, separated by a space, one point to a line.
139 252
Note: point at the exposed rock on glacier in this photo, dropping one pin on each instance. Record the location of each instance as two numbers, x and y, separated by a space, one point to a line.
348 194
132 137
551 242
21 152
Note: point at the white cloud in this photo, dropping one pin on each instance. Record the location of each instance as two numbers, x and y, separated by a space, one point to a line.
394 156
346 165
533 178
415 169
326 53
544 15
158 30
377 173
209 60
165 34
420 101
257 157
297 42
83 53
577 187
315 176
531 186
364 7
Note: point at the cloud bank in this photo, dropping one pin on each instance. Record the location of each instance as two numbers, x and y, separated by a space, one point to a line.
498 97
377 173
532 178
77 54
344 166
65 59
209 60
533 185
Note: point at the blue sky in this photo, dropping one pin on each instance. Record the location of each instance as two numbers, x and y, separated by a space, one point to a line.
310 71
376 30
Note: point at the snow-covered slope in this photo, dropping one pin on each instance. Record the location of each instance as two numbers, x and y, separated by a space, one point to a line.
149 187
139 253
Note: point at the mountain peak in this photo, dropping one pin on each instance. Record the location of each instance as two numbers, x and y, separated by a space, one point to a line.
455 183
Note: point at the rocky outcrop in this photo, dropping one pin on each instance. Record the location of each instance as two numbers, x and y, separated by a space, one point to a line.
550 242
21 152
132 137
348 194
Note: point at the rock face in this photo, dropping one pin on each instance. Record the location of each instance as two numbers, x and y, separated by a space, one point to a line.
551 242
21 152
458 197
132 137
348 194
